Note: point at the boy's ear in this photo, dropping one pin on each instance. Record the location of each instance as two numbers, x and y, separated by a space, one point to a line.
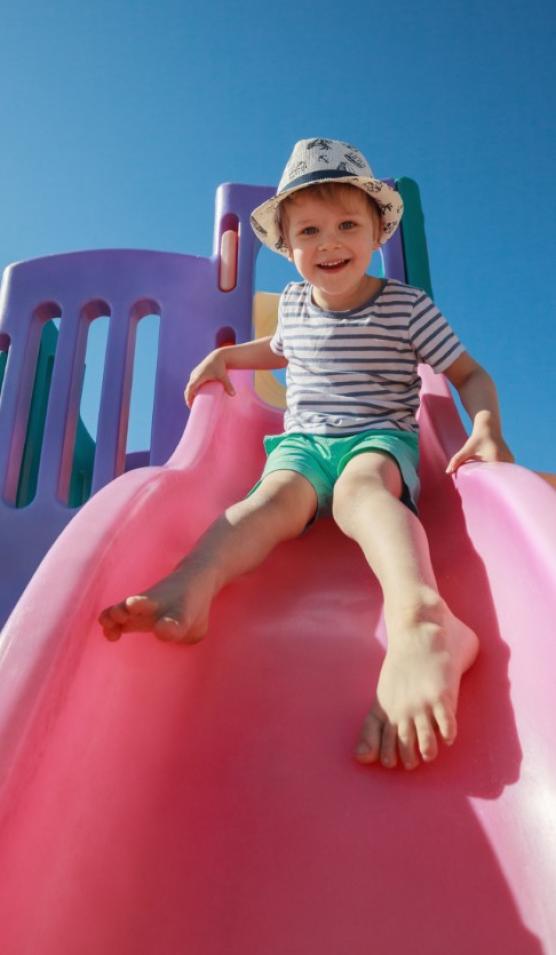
288 251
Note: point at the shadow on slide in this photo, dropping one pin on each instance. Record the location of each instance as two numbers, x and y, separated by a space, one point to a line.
162 799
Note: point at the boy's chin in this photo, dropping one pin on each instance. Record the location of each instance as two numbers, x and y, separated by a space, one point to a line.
340 283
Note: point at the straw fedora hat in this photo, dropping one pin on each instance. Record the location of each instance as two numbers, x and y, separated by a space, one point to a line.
325 160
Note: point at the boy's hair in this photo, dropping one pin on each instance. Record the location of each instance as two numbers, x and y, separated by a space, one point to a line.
328 192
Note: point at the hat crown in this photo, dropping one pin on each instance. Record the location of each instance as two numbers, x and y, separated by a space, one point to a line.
323 158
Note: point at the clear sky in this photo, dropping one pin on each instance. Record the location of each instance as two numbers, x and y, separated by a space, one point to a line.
120 119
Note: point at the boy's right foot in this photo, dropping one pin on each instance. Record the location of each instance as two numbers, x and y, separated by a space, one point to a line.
175 609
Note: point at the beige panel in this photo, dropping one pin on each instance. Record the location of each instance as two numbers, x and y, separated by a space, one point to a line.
265 316
551 478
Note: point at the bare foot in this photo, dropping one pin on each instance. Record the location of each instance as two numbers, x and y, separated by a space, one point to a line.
175 609
418 689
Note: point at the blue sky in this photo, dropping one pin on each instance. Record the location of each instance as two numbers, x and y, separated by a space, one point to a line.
120 119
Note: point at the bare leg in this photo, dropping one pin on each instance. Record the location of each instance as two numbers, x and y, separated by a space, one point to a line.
177 607
429 649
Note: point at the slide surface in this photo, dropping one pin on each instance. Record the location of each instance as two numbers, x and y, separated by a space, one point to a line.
160 799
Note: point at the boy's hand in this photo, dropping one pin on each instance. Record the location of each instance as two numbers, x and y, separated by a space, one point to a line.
481 446
212 368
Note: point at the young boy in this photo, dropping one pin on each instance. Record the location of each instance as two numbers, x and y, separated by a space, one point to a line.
351 344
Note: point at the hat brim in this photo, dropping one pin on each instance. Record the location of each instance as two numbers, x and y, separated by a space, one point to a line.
264 220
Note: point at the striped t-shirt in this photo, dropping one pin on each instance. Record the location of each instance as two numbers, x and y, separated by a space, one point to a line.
354 371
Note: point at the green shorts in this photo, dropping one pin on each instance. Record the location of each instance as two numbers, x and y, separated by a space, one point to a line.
321 459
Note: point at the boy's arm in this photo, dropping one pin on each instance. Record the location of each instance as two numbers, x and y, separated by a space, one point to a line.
479 398
254 354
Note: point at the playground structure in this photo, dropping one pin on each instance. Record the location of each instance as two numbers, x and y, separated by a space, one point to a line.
161 799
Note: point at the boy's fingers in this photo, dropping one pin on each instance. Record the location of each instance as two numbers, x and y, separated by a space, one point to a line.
191 390
228 387
462 457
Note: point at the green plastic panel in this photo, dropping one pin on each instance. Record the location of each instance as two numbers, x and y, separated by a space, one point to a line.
84 454
413 237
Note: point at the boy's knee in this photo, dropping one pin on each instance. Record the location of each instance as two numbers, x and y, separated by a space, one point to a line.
363 477
288 499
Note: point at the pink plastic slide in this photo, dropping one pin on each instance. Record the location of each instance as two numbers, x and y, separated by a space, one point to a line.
162 800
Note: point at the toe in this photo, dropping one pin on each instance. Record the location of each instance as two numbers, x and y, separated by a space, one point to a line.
168 628
104 616
111 631
140 605
108 621
388 756
368 747
406 744
117 614
426 737
446 720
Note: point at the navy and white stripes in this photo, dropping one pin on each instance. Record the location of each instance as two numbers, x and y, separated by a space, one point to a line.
353 371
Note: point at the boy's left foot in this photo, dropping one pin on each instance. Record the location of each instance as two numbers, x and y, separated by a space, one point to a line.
418 688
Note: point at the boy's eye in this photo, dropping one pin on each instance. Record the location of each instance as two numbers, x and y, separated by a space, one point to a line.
346 225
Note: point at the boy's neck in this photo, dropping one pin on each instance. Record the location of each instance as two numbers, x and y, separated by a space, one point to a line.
368 287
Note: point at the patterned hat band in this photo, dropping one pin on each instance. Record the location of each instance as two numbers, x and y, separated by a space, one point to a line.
310 177
325 160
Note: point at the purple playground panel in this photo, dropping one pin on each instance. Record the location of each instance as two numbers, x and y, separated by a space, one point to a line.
195 316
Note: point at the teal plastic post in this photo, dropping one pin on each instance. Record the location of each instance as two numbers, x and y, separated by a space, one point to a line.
84 454
3 359
414 241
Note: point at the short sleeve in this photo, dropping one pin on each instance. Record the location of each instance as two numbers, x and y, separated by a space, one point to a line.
276 342
433 340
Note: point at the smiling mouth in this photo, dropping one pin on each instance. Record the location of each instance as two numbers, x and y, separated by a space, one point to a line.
334 266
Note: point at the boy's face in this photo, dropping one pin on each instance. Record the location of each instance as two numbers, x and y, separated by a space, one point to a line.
331 243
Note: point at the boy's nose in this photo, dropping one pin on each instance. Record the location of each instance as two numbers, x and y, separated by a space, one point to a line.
328 240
